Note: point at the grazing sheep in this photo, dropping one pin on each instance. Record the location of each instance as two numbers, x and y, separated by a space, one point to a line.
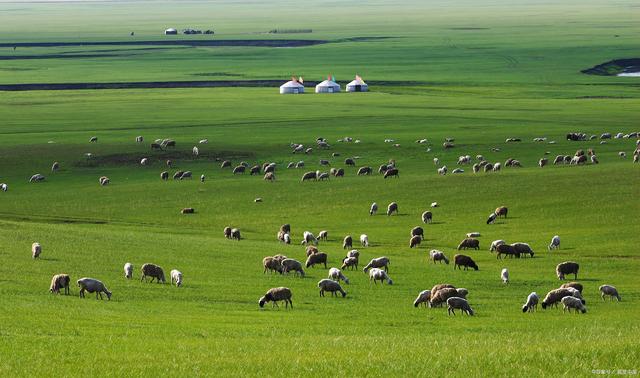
462 292
309 176
495 244
440 296
502 211
324 162
92 285
272 265
202 178
532 303
476 168
104 180
336 275
508 250
376 275
164 175
542 162
417 231
364 240
188 210
427 217
492 218
569 303
176 276
153 271
292 265
622 154
322 176
555 243
350 162
553 297
567 267
523 249
611 291
435 204
436 161
36 250
347 242
275 295
353 253
235 234
469 243
437 287
331 286
186 175
239 169
4 187
364 171
558 160
373 209
594 159
269 176
227 232
436 255
311 250
37 178
473 234
457 303
317 258
93 139
350 262
393 207
128 270
60 281
322 235
457 170
423 298
380 262
442 170
415 241
465 261
55 167
488 167
308 238
177 175
156 146
504 275
144 161
391 172
139 139
255 170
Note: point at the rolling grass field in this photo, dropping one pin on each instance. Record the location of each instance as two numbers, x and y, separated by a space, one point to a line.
479 74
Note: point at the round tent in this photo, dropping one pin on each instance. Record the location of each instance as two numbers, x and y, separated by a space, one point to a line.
357 85
291 87
328 86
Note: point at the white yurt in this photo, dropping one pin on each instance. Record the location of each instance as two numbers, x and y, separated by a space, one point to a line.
171 31
292 87
328 86
357 85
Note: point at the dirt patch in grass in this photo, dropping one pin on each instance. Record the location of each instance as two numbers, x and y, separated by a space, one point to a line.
159 158
614 67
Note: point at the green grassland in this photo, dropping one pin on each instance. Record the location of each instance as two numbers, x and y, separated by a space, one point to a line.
516 74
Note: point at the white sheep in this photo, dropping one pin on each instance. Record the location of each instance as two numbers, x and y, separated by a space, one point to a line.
473 234
176 276
92 286
457 303
435 204
128 270
532 302
495 244
443 170
570 302
436 161
4 187
308 237
376 274
286 239
364 240
555 243
203 141
373 209
504 275
195 151
423 298
36 250
336 275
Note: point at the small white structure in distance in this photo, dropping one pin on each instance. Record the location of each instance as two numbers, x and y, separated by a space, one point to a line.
293 86
171 31
328 86
357 85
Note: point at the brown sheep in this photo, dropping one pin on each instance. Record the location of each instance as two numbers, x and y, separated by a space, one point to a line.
227 232
465 261
417 231
350 262
440 286
441 296
469 243
414 241
575 285
393 207
391 172
506 249
317 258
312 250
501 211
347 242
567 267
153 271
58 282
272 265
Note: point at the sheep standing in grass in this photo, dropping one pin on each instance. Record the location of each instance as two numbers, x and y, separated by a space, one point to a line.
373 209
272 265
292 265
427 216
574 285
376 275
331 286
457 303
364 240
417 231
4 187
60 281
235 234
555 243
464 261
554 297
392 208
92 285
164 175
336 275
423 298
104 180
128 270
611 291
436 255
495 244
153 271
275 295
36 250
176 276
567 267
308 238
441 295
227 232
269 176
415 241
323 235
492 218
55 167
350 262
317 258
523 249
504 275
532 303
380 262
469 243
347 242
574 303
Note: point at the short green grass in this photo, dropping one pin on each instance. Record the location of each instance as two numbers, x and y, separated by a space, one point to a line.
213 325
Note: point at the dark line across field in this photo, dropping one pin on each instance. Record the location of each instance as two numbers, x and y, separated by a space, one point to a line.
177 84
179 42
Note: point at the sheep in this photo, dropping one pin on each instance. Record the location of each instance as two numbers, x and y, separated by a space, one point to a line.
188 210
465 261
423 298
380 262
391 172
186 175
594 159
462 292
502 211
93 139
567 267
553 297
58 282
373 209
156 146
235 234
227 232
311 250
441 295
225 164
555 243
350 162
164 175
104 180
331 286
139 139
317 258
55 167
469 243
176 276
495 244
569 303
435 204
311 175
523 249
271 167
417 231
272 264
144 161
558 160
442 170
575 285
532 303
153 271
275 295
324 162
622 154
322 235
427 217
239 169
458 170
476 168
436 255
177 175
504 275
508 250
492 218
414 241
37 178
36 250
376 275
353 253
459 304
128 270
436 161
292 265
4 187
364 171
364 240
609 290
473 234
308 238
575 293
542 162
393 207
269 176
350 262
636 158
347 242
336 275
437 287
488 167
92 285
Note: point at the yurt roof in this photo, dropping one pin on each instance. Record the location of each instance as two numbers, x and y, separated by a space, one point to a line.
357 82
328 83
291 83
